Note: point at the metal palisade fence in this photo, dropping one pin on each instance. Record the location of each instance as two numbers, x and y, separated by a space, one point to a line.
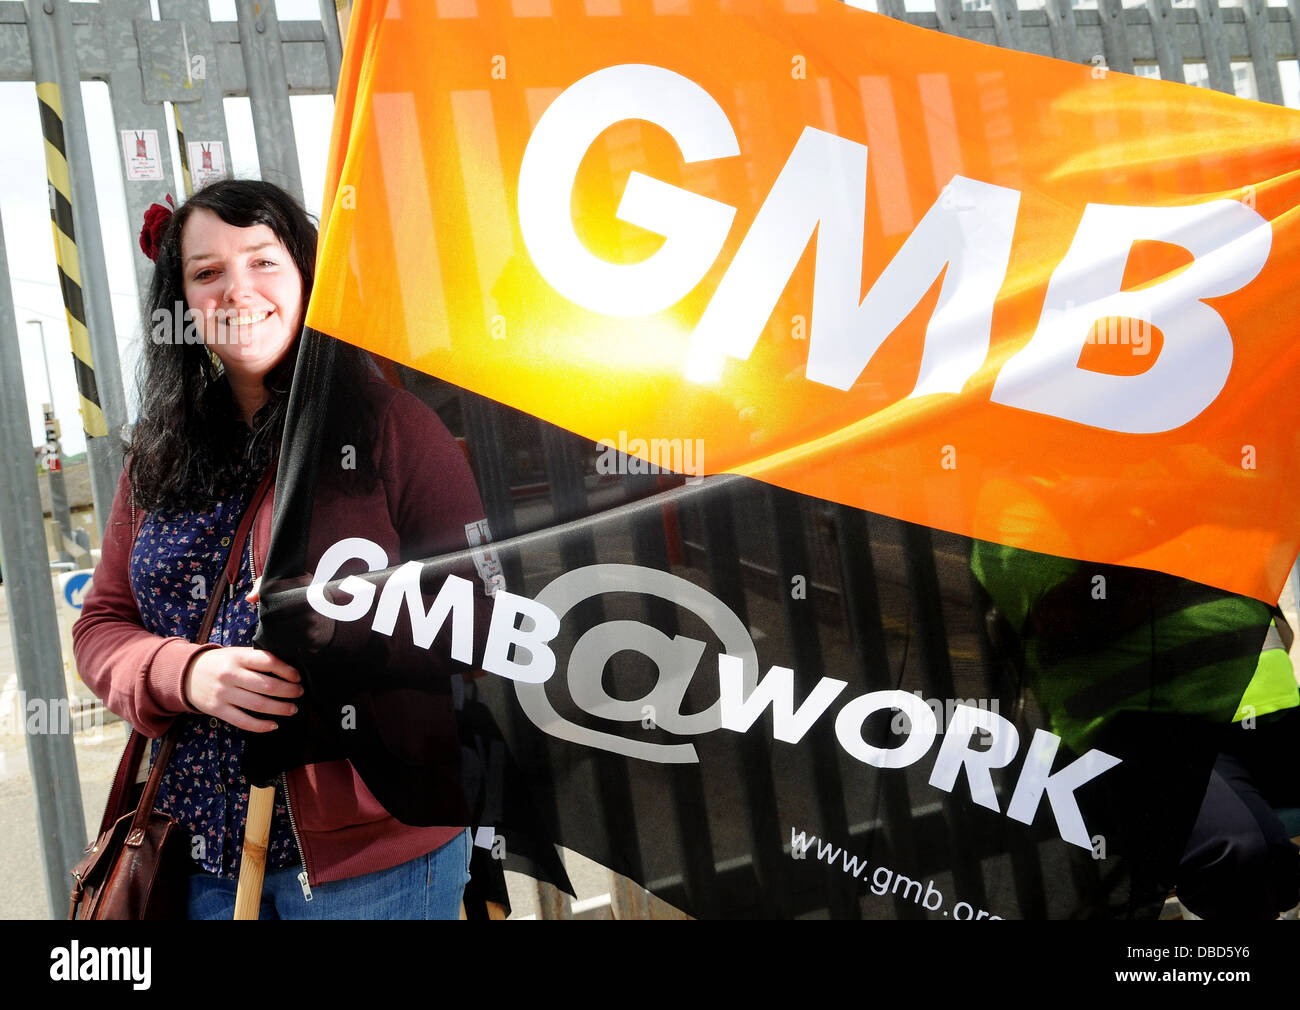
1236 49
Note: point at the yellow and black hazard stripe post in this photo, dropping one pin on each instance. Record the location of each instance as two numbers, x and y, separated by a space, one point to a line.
185 155
65 247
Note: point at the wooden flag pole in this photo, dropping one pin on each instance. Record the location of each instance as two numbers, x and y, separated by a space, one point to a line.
252 860
343 9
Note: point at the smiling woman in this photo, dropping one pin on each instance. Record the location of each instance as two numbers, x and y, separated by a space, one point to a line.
246 294
235 249
236 260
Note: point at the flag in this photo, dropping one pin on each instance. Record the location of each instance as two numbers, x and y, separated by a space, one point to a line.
837 469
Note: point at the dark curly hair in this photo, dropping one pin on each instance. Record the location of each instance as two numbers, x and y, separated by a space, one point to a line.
189 436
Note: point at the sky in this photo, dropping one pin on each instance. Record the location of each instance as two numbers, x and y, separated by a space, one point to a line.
24 210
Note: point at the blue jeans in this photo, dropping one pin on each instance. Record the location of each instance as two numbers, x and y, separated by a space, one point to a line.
427 887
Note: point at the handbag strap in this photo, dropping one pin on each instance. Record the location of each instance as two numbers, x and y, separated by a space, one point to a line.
231 570
118 797
126 768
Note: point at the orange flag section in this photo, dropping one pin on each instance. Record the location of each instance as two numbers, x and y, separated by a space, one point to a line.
1014 298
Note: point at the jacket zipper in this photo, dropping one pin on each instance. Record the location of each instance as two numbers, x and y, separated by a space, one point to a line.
303 882
293 826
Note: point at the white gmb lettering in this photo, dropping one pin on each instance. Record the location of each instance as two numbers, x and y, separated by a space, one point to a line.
966 235
454 601
529 626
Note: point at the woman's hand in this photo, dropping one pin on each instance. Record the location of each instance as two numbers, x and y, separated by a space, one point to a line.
231 682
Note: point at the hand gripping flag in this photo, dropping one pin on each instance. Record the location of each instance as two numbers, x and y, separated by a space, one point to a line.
808 464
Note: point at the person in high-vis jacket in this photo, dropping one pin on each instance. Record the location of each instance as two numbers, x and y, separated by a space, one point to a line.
1240 861
1101 646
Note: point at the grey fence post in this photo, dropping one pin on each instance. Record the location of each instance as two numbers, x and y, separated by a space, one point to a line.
1114 34
329 19
896 9
1293 8
952 18
204 117
1006 24
1267 82
53 760
1164 33
54 59
127 66
268 93
1063 31
1214 40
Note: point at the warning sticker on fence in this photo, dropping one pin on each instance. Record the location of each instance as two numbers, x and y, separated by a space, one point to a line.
207 161
143 157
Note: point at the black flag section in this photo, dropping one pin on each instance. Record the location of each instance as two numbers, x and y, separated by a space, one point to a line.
752 702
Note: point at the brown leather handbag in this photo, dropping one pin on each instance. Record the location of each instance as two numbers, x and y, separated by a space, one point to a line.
137 867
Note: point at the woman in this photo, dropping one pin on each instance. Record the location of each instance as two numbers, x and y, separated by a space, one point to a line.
238 258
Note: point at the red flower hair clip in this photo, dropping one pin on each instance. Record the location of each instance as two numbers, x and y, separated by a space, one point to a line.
155 220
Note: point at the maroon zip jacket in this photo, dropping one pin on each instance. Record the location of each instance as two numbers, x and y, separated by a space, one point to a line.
424 500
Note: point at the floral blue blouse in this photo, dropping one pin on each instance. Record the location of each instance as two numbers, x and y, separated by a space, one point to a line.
178 555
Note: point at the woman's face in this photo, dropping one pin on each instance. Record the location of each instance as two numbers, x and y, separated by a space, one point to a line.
244 290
